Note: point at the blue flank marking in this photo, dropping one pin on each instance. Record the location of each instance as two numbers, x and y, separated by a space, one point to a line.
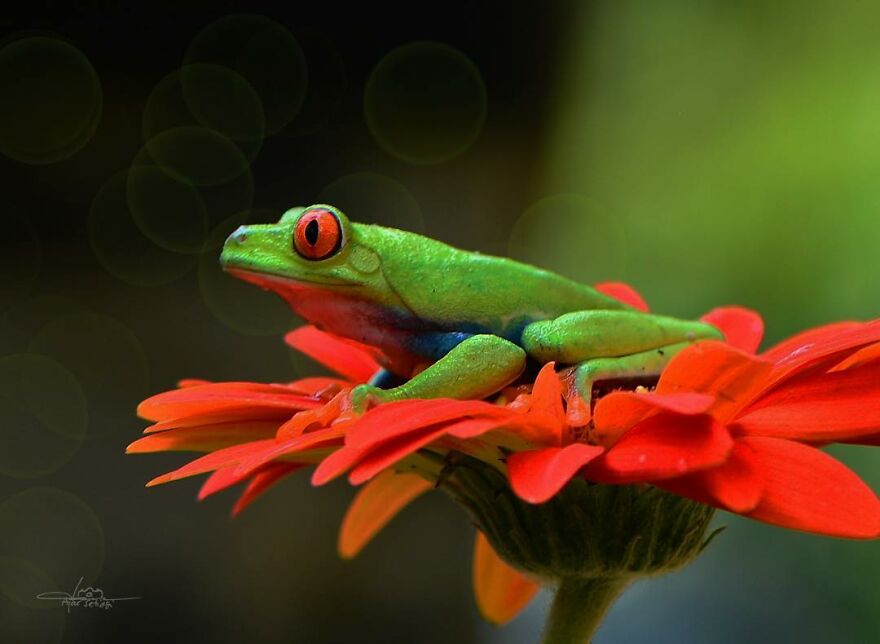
384 379
517 328
432 340
435 345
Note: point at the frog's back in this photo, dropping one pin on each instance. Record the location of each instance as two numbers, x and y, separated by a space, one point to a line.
468 291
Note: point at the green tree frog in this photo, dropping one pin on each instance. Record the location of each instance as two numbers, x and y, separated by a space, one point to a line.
451 323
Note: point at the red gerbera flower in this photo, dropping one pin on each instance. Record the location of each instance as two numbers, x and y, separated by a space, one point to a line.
723 427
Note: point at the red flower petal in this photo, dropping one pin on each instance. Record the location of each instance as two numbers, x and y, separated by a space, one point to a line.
389 453
215 461
261 482
732 376
395 419
501 591
742 328
300 448
617 412
226 397
818 336
318 417
660 447
547 396
624 293
375 505
735 485
864 356
353 360
806 489
272 417
220 480
824 343
537 475
471 428
204 438
317 386
819 407
336 464
544 423
192 382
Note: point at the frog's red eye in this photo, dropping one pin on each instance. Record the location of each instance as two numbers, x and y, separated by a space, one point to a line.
317 234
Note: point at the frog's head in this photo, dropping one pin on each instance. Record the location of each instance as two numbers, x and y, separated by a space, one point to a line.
314 248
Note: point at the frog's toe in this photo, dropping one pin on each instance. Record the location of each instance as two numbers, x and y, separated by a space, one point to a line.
363 397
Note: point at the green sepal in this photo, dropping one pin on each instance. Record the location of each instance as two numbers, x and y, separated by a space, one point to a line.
586 531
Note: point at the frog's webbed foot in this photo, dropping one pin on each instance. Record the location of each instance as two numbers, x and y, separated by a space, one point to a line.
362 397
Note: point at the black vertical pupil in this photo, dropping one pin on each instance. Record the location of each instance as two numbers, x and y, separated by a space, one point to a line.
312 232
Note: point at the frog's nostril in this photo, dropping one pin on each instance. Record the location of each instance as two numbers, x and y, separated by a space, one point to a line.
238 236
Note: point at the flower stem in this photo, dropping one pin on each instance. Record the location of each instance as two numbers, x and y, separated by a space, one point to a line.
579 607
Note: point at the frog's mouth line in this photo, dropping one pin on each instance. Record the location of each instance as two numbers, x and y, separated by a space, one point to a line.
281 282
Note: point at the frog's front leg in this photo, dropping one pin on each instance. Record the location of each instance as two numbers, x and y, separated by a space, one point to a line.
608 345
477 367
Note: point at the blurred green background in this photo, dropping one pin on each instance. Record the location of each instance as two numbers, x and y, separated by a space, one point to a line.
707 153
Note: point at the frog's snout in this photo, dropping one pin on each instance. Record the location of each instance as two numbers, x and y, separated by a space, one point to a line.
234 247
238 236
255 248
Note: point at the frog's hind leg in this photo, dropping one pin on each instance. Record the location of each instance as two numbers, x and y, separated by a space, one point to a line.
609 345
582 377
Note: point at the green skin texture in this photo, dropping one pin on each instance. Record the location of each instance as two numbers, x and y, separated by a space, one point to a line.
471 321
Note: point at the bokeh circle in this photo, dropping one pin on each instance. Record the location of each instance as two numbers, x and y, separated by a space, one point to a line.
222 100
51 100
42 413
20 259
211 97
198 155
327 84
168 210
425 102
572 235
26 318
371 198
24 617
55 531
107 360
184 183
121 246
264 53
